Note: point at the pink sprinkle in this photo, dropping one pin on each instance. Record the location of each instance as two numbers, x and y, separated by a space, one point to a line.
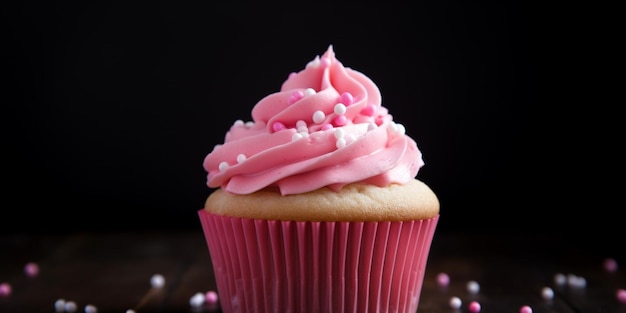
368 110
525 309
211 297
346 98
278 126
443 279
31 269
474 307
340 120
5 289
327 126
621 295
292 74
295 96
610 265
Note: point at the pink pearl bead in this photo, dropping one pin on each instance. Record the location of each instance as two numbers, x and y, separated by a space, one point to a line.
211 297
443 279
474 307
278 126
340 120
31 269
621 295
610 265
525 309
346 98
5 289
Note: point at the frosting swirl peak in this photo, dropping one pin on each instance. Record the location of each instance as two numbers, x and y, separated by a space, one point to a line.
326 127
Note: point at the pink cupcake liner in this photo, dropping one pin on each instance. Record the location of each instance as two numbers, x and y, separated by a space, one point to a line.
284 266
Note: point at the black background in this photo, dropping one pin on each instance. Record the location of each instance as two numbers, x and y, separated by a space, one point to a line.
110 108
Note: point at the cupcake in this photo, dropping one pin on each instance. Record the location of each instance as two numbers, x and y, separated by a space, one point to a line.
316 205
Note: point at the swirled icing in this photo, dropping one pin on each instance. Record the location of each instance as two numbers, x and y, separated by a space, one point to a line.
326 127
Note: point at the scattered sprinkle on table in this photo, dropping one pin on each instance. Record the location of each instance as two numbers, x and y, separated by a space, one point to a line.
474 307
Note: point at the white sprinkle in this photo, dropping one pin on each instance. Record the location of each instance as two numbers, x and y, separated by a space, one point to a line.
341 142
309 92
318 117
157 281
340 109
70 306
339 133
296 136
455 303
371 126
238 123
59 305
576 281
400 129
560 279
223 166
300 124
473 287
197 300
130 311
241 157
89 308
249 124
547 293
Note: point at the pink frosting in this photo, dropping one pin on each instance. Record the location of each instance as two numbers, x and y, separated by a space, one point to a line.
326 127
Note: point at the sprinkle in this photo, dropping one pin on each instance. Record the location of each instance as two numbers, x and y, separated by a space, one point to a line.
5 289
525 309
341 142
238 123
241 158
340 120
576 281
339 109
301 126
90 308
547 293
211 297
223 166
277 126
197 300
400 129
455 302
346 98
368 110
473 287
610 265
371 126
31 269
443 279
339 133
295 97
249 124
70 306
327 126
157 281
130 311
309 92
474 307
621 295
59 305
318 117
560 279
296 136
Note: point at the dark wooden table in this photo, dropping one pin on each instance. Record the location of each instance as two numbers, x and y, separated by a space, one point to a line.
113 271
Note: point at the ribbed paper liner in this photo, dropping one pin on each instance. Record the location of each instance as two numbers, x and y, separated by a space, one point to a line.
275 266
